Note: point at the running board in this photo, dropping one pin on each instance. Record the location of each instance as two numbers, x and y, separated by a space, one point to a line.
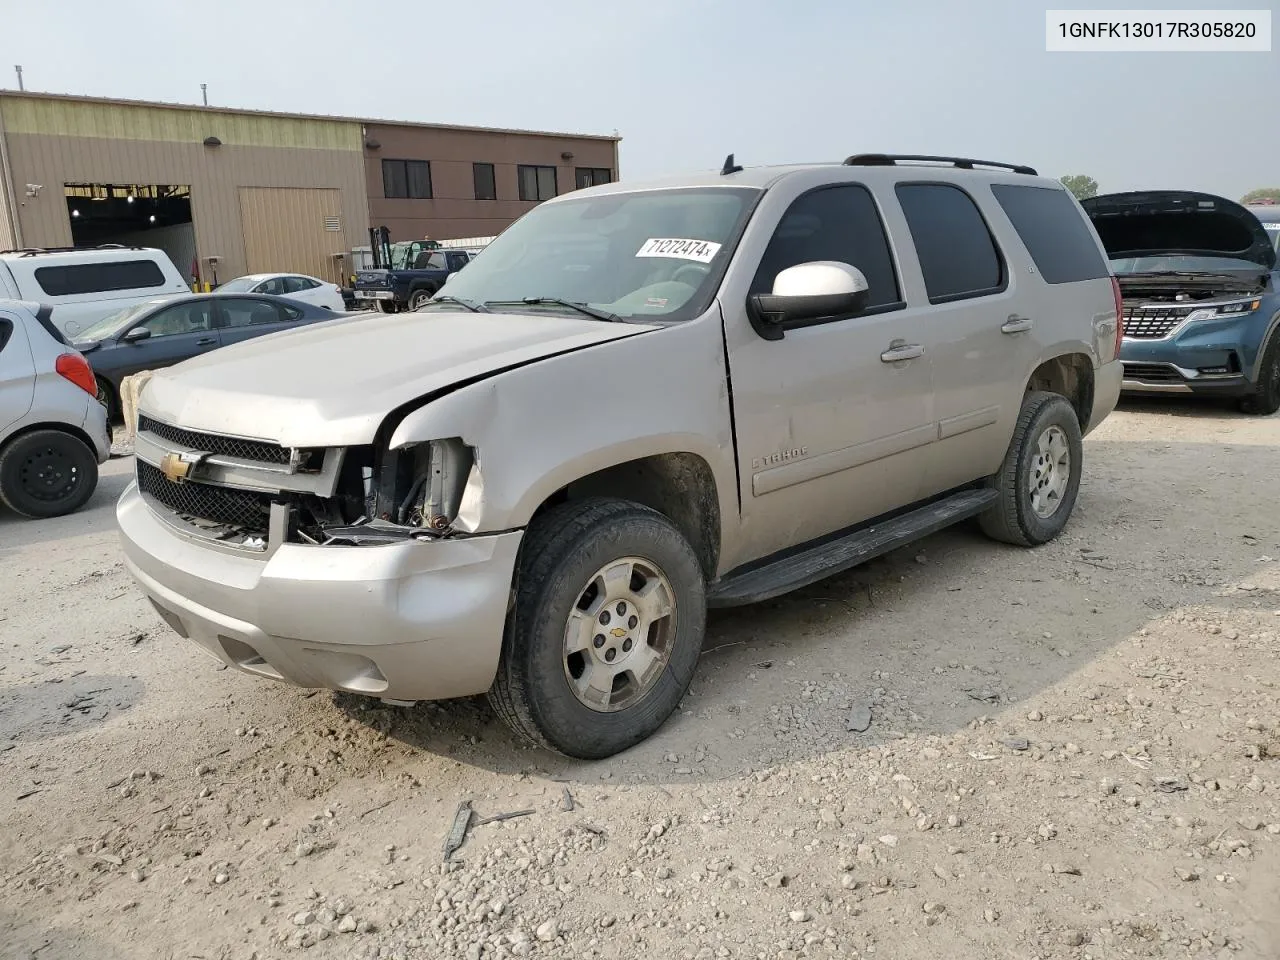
835 556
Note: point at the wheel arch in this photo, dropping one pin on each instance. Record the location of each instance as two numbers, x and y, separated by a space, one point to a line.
681 486
1269 332
68 429
1071 374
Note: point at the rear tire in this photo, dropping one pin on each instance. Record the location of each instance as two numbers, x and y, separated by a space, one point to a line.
47 473
596 576
1265 398
1040 476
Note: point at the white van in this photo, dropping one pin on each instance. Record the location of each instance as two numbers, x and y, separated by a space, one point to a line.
85 285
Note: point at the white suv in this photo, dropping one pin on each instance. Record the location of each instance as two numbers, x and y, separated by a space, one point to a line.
53 430
84 285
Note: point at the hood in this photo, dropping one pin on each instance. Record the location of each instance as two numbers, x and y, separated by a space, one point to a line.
1154 223
333 383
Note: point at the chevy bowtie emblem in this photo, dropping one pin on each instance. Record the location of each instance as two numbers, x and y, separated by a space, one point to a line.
619 631
177 466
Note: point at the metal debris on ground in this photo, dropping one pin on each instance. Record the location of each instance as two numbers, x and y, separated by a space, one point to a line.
458 832
498 817
1016 743
566 801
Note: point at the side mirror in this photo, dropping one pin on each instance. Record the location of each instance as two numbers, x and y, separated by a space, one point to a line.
136 334
819 290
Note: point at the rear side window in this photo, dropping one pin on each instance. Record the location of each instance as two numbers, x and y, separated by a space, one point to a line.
80 278
6 331
430 261
1054 232
838 223
249 313
957 254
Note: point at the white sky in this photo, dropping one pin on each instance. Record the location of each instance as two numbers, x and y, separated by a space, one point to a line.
687 81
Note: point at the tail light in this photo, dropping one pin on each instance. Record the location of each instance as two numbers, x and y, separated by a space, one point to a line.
74 367
1115 292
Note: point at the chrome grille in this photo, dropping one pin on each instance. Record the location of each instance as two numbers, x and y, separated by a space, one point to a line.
241 509
1152 323
257 450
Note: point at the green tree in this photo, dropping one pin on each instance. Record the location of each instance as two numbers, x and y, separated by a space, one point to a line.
1080 184
1262 193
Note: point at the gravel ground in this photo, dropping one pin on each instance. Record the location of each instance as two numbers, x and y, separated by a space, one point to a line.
1070 752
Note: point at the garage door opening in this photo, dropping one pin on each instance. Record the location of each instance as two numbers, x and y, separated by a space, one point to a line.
135 215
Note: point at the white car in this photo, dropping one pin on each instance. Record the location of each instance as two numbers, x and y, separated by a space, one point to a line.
86 284
53 430
295 286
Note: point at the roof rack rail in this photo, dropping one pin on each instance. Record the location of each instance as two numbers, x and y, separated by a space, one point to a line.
36 251
892 159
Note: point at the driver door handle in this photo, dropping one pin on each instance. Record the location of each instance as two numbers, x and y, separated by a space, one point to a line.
206 341
1016 324
902 351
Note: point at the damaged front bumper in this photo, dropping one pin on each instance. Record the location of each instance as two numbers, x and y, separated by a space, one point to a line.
413 620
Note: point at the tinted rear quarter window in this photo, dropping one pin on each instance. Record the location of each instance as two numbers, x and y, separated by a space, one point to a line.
6 331
80 278
957 254
1054 232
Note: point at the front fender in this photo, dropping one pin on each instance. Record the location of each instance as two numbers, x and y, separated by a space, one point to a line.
541 426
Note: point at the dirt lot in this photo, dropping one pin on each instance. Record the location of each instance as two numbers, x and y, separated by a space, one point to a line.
1072 752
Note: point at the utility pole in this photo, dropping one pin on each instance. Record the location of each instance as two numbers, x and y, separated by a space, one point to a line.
204 92
18 68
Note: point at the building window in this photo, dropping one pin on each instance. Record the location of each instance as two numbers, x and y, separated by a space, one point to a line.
406 179
593 176
486 188
537 183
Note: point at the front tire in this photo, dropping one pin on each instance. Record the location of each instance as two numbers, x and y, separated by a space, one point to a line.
419 297
47 473
1265 398
606 631
1040 477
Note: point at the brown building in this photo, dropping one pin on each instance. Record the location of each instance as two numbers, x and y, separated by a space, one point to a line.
229 192
447 183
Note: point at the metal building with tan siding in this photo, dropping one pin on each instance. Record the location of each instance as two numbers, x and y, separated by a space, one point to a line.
228 192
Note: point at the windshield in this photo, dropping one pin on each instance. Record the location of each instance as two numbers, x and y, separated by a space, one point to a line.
1273 231
239 285
113 323
1185 264
653 254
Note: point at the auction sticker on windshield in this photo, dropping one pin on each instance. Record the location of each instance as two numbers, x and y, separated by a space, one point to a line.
701 251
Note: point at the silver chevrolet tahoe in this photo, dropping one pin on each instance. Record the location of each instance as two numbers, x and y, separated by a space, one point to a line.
638 402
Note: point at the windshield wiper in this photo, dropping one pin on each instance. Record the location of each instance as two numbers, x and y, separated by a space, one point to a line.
582 308
469 304
1190 274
